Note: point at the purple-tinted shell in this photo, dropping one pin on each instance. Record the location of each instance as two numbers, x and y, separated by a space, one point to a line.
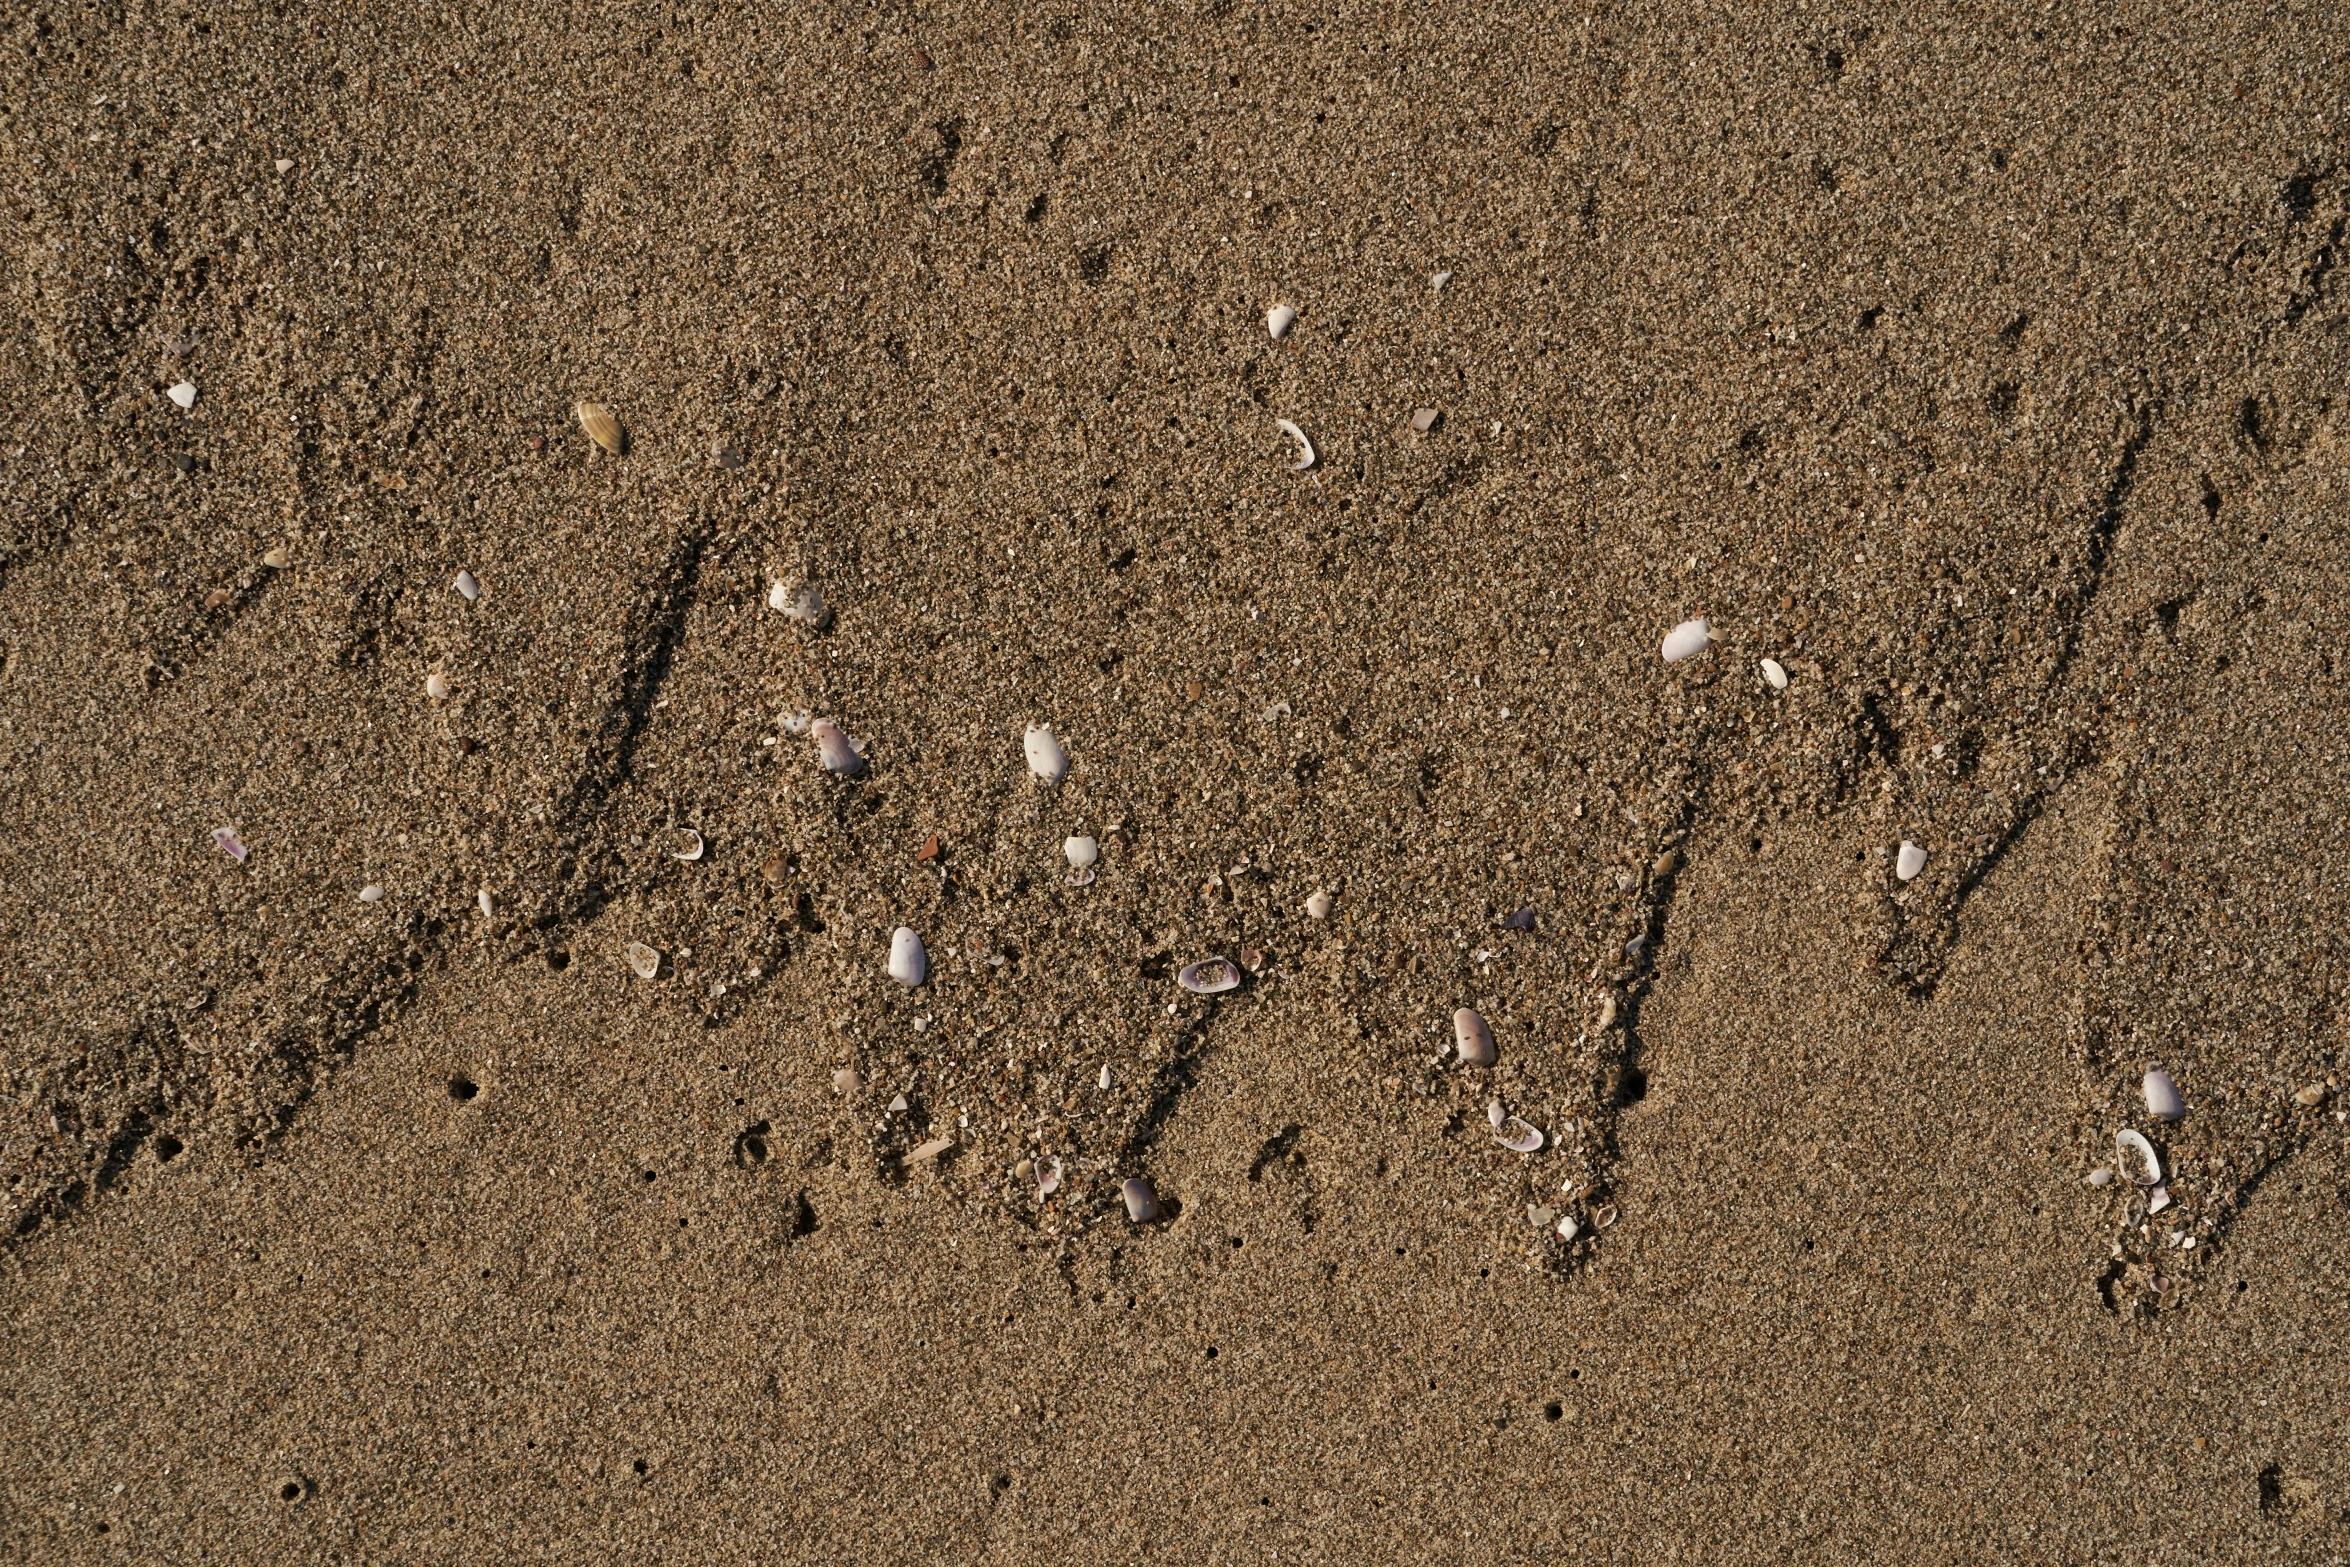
229 843
1210 977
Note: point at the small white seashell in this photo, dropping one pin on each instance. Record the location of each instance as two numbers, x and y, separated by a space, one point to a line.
1472 1038
1439 280
1279 320
1568 1228
1518 1137
467 586
436 685
1081 850
1775 673
833 749
2162 1096
1210 977
1603 1216
1318 906
1909 861
1142 1204
1305 448
795 723
1495 1114
2158 1199
643 960
2101 1176
909 965
2134 1157
1607 1012
1048 759
1686 640
489 905
601 426
371 893
1104 1080
923 1153
693 846
803 605
230 844
897 1106
183 394
1079 876
284 165
1048 1178
846 1081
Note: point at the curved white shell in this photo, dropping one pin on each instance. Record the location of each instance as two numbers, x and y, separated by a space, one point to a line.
643 961
1081 850
834 750
601 426
1472 1038
1686 640
1318 906
1495 1114
803 604
923 1153
183 394
371 893
489 905
2162 1096
1775 673
1279 320
1210 977
1909 861
2101 1176
1518 1137
1604 1216
2134 1156
1142 1204
466 585
1305 448
1048 1178
909 965
693 846
1048 759
436 685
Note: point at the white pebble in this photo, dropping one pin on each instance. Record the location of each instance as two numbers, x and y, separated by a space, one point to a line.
489 905
1686 640
1318 906
1104 1079
436 685
1047 758
183 394
2162 1096
371 894
1279 320
1081 851
467 586
908 963
1909 861
1775 673
2101 1176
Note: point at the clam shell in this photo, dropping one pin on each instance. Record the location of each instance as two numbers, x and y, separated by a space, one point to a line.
1210 977
909 965
1909 861
1048 1177
1775 674
833 749
1603 1216
642 960
1472 1038
1142 1204
693 846
436 685
371 893
183 394
1081 850
1318 906
602 428
1305 448
1686 640
1279 320
1048 759
466 585
1518 1137
2162 1096
2134 1156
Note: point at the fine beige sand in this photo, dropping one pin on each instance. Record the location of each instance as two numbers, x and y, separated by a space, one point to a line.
1987 370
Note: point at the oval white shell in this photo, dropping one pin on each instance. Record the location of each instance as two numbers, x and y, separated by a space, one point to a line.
1305 448
1472 1039
693 846
1518 1137
2134 1156
371 893
643 960
183 394
1604 1216
2101 1176
909 965
436 685
1081 851
1279 320
1909 861
1686 640
1318 906
1048 760
1210 977
2162 1096
1142 1204
803 604
834 750
466 585
1775 673
847 1081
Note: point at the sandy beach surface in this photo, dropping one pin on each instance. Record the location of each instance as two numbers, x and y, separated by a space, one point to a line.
454 1101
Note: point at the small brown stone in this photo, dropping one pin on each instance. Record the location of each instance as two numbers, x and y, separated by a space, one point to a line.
929 849
773 870
919 57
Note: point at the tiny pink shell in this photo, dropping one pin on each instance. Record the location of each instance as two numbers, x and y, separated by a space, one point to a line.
230 844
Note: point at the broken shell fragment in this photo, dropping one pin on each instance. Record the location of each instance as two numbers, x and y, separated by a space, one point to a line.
466 585
801 603
2101 1176
487 904
1686 640
1517 1136
643 960
1496 1115
1210 977
2162 1096
1909 861
1048 759
1279 320
1472 1039
834 750
1523 919
1439 280
1607 1012
1568 1228
909 965
1103 1082
847 1081
183 394
277 557
1423 420
436 685
230 844
2158 1199
2134 1156
727 455
1305 448
1082 851
692 849
601 426
1079 876
2310 1096
1048 1178
1318 906
1142 1204
1774 674
923 1153
371 893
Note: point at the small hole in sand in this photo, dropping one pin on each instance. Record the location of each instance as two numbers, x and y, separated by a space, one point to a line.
641 1466
649 1175
167 1147
462 1088
1211 1351
290 1491
1236 1243
558 959
1553 1410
